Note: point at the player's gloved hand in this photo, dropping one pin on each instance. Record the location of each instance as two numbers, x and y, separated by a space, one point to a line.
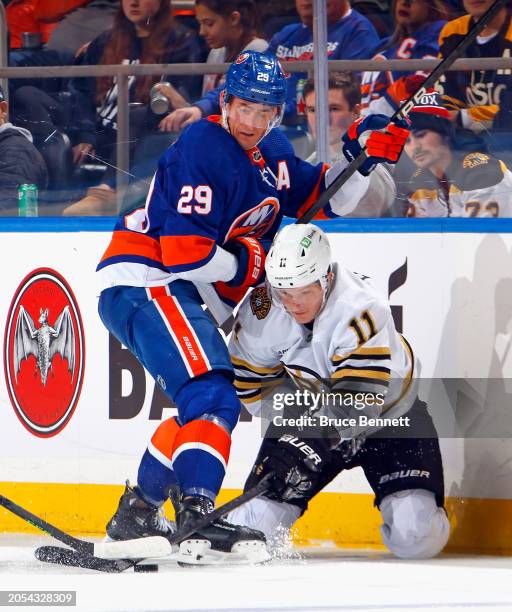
297 464
250 256
383 140
403 88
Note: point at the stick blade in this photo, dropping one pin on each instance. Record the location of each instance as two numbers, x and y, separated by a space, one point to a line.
71 558
141 548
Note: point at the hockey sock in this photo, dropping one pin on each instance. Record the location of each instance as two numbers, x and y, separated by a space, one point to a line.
200 456
155 474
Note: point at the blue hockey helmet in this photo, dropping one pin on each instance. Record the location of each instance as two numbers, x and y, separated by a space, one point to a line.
256 77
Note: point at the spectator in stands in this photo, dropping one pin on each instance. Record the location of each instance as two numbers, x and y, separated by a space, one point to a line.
143 32
479 99
450 182
37 17
418 24
344 99
349 36
275 14
75 28
81 26
228 27
20 161
379 13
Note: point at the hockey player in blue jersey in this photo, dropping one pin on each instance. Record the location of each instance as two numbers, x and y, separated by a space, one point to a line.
350 35
217 198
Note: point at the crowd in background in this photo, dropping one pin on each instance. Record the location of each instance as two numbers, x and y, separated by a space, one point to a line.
60 134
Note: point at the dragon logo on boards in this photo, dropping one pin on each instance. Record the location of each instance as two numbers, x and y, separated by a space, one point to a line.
44 352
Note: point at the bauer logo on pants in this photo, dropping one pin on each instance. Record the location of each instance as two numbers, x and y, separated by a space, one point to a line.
44 352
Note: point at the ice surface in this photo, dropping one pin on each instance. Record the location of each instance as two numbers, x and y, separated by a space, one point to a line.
323 579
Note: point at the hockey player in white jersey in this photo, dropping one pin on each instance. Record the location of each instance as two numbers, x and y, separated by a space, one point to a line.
325 327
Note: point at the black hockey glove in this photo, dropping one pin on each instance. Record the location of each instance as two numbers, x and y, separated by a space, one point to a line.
297 464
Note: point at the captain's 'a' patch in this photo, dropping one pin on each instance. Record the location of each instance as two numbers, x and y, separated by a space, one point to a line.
260 302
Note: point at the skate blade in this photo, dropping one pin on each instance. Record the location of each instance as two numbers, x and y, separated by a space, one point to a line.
199 552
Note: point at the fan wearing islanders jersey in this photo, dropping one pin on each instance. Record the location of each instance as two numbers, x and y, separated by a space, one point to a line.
416 36
215 203
325 327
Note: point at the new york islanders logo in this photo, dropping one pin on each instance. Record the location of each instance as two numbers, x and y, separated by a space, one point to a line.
241 58
44 352
256 221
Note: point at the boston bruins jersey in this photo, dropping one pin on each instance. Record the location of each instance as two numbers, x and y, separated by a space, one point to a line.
353 347
475 185
476 93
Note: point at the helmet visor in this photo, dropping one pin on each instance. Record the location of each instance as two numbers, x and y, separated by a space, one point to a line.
296 295
302 303
252 114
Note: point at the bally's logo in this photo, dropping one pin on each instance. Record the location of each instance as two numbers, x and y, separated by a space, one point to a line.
44 352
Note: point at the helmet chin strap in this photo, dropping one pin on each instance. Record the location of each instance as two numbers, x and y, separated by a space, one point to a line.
327 283
224 112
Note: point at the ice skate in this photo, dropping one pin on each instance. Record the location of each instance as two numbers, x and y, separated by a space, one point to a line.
219 542
135 518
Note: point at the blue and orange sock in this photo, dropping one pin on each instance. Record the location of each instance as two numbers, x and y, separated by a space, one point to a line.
156 473
200 456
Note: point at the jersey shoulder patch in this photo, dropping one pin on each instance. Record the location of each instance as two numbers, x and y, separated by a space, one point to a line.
478 171
455 27
260 302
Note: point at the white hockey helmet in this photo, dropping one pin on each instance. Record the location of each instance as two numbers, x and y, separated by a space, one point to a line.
300 255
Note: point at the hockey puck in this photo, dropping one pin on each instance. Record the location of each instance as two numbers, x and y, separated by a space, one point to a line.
146 567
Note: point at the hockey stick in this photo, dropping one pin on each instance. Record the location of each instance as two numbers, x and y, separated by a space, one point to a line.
77 544
72 558
157 546
224 317
405 108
